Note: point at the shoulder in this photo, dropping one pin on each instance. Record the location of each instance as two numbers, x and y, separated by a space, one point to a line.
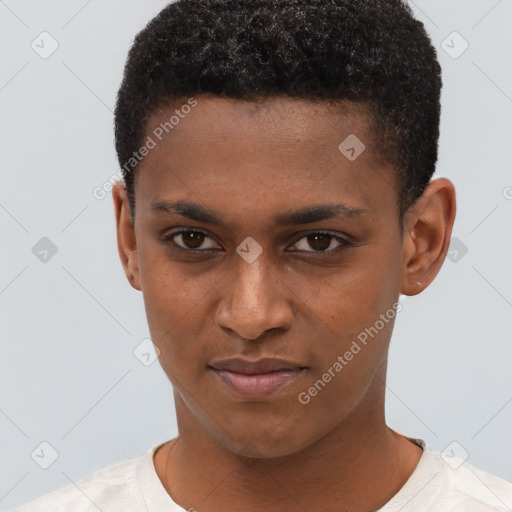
114 487
450 484
471 487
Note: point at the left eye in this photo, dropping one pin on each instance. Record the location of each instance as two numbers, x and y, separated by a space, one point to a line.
319 242
322 242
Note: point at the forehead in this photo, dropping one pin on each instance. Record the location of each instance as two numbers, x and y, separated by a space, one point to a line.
264 156
275 121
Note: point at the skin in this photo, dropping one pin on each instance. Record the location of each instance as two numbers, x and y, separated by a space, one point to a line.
250 161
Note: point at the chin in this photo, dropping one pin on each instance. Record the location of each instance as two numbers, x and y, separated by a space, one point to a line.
267 443
263 449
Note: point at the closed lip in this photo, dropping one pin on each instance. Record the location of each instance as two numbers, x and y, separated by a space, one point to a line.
256 380
259 366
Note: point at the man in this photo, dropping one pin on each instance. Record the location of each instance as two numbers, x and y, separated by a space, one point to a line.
277 198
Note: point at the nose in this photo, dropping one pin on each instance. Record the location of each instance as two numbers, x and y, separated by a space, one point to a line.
254 300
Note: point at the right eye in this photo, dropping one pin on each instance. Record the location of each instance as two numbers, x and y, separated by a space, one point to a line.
189 240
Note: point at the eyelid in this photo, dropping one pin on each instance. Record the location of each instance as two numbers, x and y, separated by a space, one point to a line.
169 235
334 234
344 241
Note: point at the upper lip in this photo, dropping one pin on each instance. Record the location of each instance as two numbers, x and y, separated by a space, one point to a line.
265 365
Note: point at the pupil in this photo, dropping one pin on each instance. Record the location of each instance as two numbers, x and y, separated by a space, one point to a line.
319 241
193 239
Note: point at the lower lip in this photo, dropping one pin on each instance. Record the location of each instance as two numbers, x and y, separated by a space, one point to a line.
259 385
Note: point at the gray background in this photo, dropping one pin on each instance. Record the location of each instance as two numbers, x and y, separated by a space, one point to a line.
69 325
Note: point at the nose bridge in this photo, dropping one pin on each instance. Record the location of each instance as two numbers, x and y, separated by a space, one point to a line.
250 287
252 299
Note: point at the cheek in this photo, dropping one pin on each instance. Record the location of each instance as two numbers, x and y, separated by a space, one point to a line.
176 332
170 290
345 300
355 313
350 366
173 303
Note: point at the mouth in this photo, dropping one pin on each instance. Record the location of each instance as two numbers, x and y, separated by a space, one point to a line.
256 379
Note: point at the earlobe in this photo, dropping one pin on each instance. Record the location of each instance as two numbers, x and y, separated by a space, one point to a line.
126 240
428 228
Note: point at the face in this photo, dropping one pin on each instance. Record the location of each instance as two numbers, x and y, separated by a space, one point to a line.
257 238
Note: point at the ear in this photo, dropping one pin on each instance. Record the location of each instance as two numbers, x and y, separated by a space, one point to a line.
427 231
126 241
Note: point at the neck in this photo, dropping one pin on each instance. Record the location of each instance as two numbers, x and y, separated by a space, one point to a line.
359 465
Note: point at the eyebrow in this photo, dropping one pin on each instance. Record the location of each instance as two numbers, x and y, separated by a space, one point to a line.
314 213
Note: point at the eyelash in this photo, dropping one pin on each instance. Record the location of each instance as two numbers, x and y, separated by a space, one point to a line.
344 243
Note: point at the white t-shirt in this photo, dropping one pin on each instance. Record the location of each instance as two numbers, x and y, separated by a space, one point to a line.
437 485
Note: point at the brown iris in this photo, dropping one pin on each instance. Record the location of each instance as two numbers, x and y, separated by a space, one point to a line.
193 239
319 241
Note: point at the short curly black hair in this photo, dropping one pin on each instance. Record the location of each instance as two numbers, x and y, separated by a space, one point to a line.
370 51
